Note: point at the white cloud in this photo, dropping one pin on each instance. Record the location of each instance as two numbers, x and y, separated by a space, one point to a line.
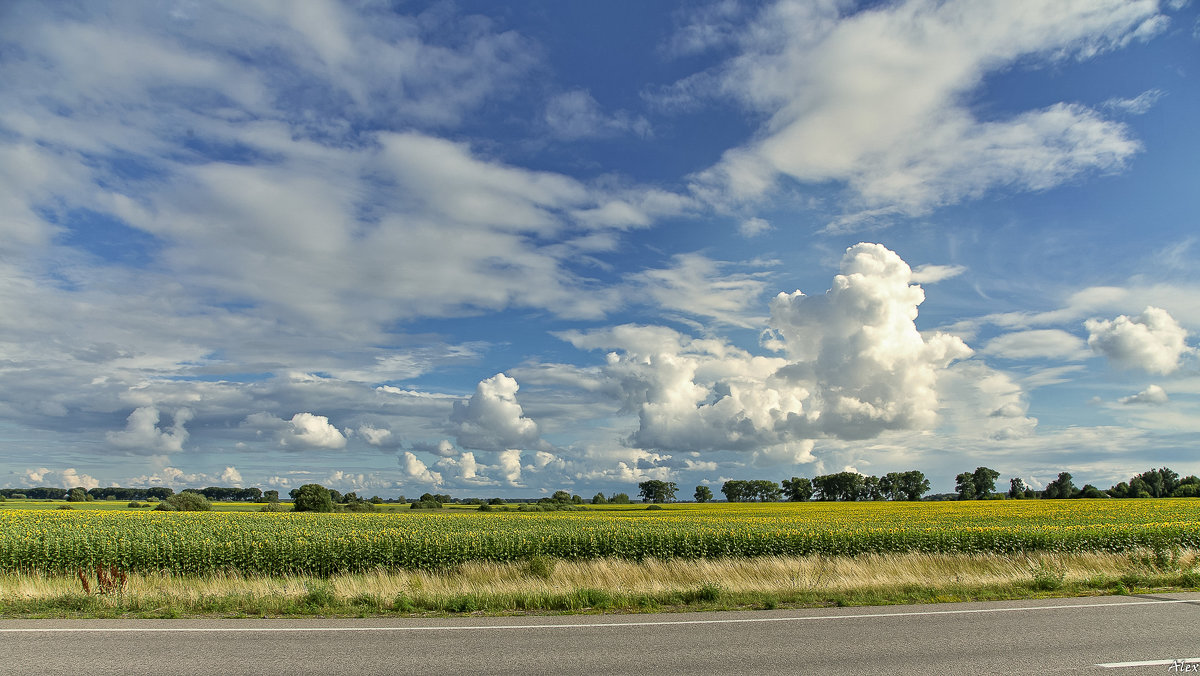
465 468
311 431
1038 344
230 476
696 285
492 419
856 366
877 100
66 478
753 227
509 466
1138 105
303 431
1151 395
418 471
380 438
932 274
576 115
142 434
1152 341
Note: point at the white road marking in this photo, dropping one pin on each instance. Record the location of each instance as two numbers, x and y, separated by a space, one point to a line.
1193 662
589 625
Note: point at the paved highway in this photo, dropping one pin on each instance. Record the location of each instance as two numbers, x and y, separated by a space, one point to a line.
1116 635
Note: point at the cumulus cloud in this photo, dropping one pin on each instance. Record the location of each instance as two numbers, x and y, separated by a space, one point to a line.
492 419
65 478
230 476
464 468
380 438
855 366
1152 341
1038 344
303 431
1151 395
878 100
143 435
443 448
418 471
509 466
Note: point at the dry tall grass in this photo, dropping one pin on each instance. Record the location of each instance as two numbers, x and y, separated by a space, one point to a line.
785 577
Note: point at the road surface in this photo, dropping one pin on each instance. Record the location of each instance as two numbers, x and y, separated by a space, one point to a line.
1120 635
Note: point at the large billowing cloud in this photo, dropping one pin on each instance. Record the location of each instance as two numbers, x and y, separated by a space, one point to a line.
142 433
417 471
880 99
492 419
66 478
855 365
1152 341
305 431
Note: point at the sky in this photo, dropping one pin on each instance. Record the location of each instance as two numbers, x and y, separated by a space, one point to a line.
503 249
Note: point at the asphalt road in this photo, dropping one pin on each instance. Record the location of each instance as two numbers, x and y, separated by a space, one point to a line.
1037 637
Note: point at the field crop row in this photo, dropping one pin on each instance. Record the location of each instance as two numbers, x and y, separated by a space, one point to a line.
324 544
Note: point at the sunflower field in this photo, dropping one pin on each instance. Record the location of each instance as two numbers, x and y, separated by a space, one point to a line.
322 544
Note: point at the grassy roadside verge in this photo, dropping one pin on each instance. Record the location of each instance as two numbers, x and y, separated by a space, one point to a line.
541 585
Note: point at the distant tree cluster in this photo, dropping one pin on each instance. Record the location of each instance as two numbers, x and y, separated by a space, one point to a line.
1158 483
1155 483
657 491
842 486
317 498
110 493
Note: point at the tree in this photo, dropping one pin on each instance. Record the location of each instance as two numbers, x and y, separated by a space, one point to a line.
1160 483
872 488
77 495
1188 488
619 499
797 489
913 484
736 490
964 485
1090 491
561 496
840 486
1016 488
312 498
984 479
599 499
1062 487
657 491
764 491
703 494
271 496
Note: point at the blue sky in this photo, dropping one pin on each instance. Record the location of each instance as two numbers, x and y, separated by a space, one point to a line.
485 250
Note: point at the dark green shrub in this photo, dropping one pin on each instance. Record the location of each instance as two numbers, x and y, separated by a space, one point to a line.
312 498
187 501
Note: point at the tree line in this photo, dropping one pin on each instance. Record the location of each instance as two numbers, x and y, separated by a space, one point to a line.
912 485
979 484
843 486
